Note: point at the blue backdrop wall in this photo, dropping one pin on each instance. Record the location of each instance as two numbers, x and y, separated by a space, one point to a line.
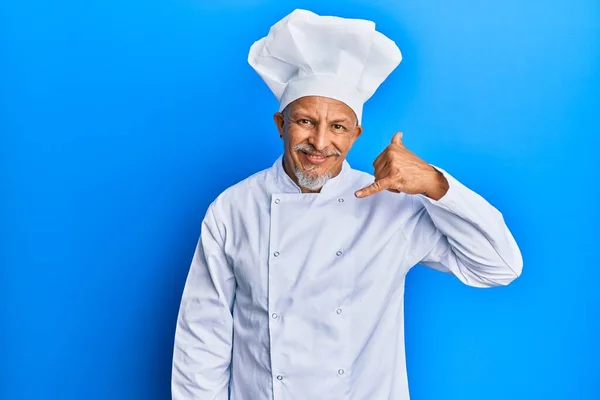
121 121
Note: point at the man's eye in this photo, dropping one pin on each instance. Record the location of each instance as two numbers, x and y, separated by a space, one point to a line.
304 121
338 127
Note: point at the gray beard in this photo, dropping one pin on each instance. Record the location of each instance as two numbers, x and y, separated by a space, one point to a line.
311 182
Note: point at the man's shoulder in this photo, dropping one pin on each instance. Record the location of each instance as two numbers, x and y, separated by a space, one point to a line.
245 190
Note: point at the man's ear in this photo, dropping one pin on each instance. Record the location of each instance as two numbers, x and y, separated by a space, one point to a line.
279 119
358 129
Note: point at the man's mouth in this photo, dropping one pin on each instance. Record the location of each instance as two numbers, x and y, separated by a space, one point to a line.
314 158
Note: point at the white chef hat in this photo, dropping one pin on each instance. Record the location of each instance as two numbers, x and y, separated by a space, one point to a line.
305 54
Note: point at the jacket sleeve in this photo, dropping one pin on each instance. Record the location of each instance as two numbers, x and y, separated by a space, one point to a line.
204 331
463 234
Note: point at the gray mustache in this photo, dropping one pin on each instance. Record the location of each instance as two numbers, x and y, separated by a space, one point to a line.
310 149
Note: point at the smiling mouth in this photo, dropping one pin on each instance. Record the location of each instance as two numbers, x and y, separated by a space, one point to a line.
314 158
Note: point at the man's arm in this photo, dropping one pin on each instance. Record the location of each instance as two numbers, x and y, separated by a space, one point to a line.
466 236
203 337
459 230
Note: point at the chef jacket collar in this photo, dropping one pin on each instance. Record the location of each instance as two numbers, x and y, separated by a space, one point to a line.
286 185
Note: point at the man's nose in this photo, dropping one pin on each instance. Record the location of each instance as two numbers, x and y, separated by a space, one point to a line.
319 138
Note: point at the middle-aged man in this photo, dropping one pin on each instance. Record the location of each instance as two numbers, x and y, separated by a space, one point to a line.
296 287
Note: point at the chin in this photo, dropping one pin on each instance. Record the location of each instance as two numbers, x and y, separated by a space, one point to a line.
312 181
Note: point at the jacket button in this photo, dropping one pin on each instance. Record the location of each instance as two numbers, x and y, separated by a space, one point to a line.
274 315
279 377
339 311
341 200
341 371
276 201
339 253
276 254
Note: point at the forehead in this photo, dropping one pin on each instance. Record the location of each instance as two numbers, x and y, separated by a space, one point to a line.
317 105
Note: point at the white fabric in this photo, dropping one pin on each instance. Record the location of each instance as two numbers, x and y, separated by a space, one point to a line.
305 54
295 296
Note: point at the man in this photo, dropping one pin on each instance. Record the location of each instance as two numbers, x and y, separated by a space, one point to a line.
296 287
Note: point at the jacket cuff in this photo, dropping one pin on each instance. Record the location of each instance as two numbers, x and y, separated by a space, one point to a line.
450 199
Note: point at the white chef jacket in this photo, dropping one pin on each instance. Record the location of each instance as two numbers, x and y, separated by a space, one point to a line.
295 296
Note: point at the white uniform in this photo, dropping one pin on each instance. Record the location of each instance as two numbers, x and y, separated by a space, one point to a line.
294 296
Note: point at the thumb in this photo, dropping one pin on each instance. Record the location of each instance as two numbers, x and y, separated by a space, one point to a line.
397 139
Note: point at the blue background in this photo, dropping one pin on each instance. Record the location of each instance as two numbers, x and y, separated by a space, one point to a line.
121 121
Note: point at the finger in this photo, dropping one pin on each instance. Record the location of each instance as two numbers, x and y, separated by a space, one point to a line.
379 158
375 187
397 139
382 172
380 163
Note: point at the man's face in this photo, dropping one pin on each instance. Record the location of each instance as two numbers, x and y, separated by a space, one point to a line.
318 133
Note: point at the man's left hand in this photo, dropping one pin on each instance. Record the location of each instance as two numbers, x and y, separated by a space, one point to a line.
397 169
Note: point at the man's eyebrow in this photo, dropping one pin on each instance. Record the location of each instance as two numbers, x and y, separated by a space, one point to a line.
344 119
300 113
